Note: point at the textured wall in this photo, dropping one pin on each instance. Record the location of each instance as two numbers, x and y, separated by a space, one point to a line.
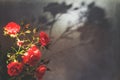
93 51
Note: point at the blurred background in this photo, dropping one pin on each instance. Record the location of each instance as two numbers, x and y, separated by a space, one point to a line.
84 34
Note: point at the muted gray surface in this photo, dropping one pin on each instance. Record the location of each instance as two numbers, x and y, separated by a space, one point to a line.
74 59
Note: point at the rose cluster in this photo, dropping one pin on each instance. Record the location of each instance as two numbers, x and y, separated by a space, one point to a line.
27 58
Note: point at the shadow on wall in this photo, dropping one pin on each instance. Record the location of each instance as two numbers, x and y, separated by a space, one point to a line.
56 8
96 15
92 58
116 44
90 55
96 54
96 28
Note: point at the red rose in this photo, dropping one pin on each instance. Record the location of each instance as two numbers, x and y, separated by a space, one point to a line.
12 28
44 39
14 68
40 71
32 56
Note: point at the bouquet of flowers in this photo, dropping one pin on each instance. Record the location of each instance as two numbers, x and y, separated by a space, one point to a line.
26 57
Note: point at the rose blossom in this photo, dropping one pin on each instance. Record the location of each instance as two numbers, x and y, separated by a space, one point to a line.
14 68
40 71
32 56
12 28
44 39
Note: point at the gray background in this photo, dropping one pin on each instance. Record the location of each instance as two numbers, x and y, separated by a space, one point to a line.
72 59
